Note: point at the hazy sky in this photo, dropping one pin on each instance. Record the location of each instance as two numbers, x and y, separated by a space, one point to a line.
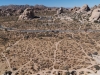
58 3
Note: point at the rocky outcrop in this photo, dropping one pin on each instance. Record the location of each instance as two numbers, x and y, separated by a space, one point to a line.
84 8
59 11
27 14
95 15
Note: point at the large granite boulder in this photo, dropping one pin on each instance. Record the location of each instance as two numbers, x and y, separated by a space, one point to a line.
95 17
27 14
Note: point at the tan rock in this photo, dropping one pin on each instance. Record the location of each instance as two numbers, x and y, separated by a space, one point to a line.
84 8
27 14
95 15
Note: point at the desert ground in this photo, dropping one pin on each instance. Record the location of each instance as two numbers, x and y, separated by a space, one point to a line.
49 41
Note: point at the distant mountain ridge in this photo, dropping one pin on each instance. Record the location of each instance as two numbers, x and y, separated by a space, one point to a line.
16 7
21 6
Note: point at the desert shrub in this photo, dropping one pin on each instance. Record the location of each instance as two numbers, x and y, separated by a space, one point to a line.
96 21
97 67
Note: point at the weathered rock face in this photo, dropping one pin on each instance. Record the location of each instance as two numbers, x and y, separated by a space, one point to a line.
85 8
95 15
27 14
59 11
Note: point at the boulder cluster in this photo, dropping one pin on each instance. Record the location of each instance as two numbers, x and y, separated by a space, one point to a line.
27 13
92 13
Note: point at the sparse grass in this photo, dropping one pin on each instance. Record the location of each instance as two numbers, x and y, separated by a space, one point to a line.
47 50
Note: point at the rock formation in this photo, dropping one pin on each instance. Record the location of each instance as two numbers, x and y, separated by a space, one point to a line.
84 8
59 11
95 15
27 14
